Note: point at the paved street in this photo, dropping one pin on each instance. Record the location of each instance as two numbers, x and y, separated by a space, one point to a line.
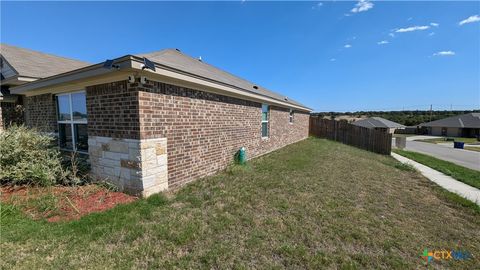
469 159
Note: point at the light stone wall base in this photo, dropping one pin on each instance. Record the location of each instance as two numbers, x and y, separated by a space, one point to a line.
137 167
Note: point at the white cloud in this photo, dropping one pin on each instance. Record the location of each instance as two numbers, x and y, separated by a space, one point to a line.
391 34
471 19
333 60
362 5
431 34
444 53
434 24
412 28
318 5
383 42
347 46
409 19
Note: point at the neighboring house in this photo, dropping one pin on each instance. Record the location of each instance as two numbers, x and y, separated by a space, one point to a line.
379 123
19 66
465 125
155 121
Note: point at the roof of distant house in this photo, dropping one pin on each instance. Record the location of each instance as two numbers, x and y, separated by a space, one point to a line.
34 64
377 122
469 120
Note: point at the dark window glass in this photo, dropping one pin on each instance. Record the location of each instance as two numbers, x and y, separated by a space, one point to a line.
264 116
65 136
265 129
63 105
291 116
264 112
81 137
79 106
265 120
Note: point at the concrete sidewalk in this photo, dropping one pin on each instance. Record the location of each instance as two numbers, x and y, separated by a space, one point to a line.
445 181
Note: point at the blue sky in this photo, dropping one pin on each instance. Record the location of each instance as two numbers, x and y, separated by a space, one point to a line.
324 54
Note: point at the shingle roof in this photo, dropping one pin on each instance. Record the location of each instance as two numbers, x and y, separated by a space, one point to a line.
178 60
377 122
36 64
469 120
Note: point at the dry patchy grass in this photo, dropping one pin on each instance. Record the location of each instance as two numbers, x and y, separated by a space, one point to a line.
314 204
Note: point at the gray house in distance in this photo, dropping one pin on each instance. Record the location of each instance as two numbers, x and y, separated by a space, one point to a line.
465 125
379 123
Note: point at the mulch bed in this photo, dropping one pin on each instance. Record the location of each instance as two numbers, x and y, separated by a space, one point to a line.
61 203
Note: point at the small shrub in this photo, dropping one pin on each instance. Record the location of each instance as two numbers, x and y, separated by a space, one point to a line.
76 169
28 157
108 186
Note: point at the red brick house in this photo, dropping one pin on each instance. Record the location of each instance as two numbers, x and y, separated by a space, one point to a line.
155 121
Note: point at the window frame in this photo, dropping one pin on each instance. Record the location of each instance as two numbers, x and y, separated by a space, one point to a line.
291 116
265 121
70 122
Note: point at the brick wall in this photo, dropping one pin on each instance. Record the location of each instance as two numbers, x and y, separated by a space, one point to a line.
2 124
205 130
41 112
112 111
11 113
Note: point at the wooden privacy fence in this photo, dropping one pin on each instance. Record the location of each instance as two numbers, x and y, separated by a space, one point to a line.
374 140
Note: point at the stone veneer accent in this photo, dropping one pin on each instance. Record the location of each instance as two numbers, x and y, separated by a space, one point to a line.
136 166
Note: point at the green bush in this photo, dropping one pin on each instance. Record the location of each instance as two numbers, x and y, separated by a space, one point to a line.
28 157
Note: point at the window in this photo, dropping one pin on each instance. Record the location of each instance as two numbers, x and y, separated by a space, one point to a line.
72 121
290 116
265 110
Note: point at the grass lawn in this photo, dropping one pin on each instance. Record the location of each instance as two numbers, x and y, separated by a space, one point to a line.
472 148
465 175
314 204
443 140
403 135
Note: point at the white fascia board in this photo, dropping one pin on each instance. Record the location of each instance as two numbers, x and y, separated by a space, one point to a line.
17 80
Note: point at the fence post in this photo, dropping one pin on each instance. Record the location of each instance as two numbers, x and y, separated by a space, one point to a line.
335 127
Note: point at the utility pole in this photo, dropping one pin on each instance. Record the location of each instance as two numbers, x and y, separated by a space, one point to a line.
430 112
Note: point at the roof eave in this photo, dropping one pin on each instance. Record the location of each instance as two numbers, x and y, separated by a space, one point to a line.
139 61
135 63
18 80
77 74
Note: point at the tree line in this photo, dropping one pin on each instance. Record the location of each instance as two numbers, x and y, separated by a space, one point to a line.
407 118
